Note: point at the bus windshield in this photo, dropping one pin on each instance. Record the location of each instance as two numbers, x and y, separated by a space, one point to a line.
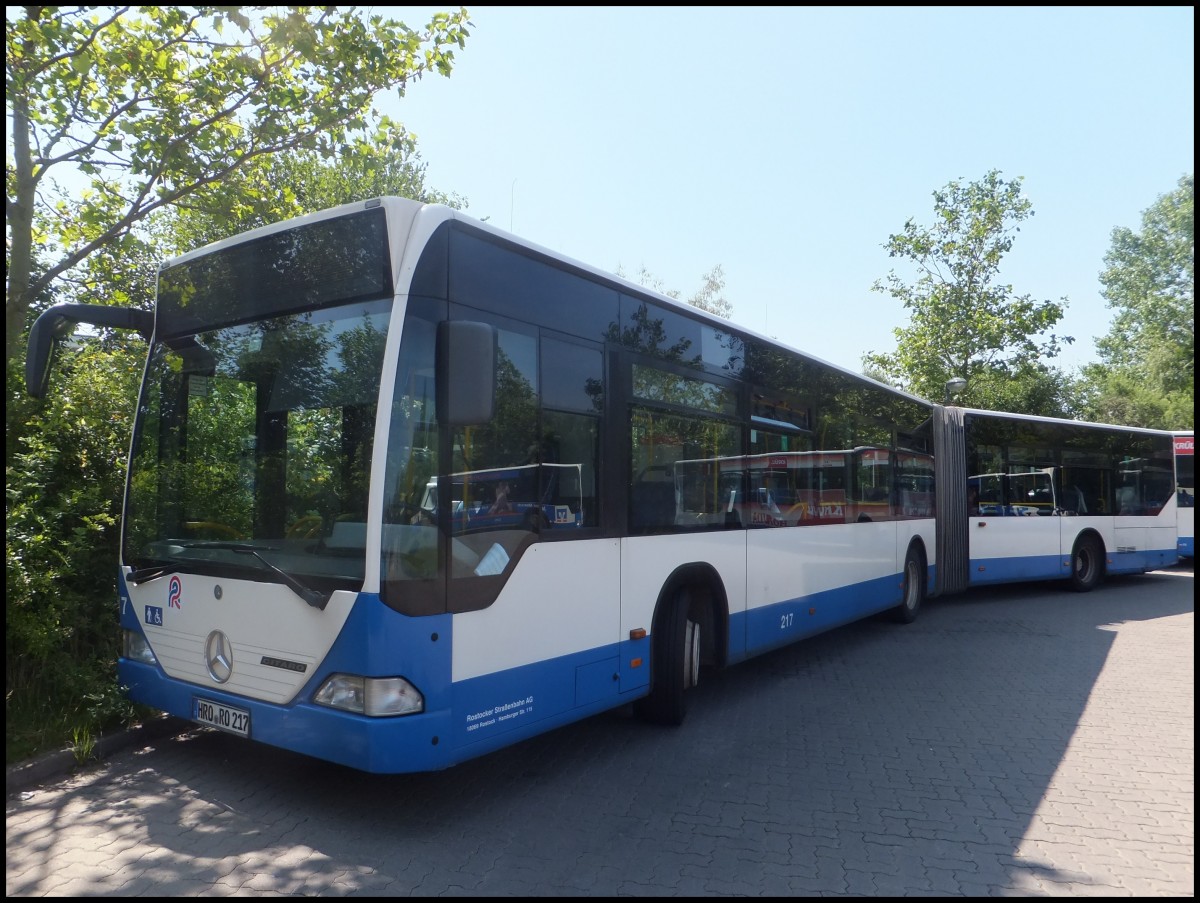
258 437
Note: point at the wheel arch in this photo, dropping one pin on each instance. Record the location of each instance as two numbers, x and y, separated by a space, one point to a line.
708 606
1091 533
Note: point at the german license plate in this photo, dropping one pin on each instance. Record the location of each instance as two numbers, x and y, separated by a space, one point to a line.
222 717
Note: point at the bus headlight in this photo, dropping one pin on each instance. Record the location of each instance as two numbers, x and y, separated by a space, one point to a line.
135 648
377 697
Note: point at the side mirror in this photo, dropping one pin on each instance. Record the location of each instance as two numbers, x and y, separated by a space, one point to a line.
43 343
466 373
55 322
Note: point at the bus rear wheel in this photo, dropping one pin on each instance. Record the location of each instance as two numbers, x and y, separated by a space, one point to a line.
675 666
912 593
1087 564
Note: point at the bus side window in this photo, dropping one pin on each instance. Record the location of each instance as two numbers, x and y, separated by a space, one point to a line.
651 502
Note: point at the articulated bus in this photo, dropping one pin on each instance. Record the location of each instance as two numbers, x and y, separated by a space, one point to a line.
1185 480
405 489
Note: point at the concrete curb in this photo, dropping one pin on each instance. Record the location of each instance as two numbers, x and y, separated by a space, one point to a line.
54 765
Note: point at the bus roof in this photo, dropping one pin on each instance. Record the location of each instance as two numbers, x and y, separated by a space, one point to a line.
1033 418
408 218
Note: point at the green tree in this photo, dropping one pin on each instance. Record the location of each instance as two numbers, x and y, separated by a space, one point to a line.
1147 369
1125 397
65 455
963 322
302 181
711 296
157 105
63 494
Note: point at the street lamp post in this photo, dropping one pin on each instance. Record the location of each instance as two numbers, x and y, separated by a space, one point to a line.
954 388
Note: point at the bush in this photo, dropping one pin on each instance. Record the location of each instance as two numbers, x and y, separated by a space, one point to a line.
64 469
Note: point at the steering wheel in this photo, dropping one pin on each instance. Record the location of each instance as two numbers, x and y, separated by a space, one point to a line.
306 527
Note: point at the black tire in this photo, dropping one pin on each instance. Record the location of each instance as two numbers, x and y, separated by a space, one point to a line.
912 592
1087 563
674 666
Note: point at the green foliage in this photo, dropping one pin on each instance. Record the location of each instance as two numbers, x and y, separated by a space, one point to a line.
711 296
157 105
1146 374
963 322
1127 397
298 182
63 492
1028 388
83 744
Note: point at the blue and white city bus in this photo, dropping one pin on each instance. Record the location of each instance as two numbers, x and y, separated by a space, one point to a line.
404 489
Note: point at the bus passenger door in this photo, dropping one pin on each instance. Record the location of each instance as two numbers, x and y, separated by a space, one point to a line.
1014 529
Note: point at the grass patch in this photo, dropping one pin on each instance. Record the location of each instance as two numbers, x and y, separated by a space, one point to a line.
51 715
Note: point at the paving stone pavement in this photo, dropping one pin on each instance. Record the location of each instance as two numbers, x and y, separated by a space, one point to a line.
1017 741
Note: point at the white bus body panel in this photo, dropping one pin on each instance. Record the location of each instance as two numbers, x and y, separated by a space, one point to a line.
562 597
795 562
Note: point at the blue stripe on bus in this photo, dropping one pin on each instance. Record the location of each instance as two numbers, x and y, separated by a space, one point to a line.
1140 562
475 716
986 571
779 624
1187 547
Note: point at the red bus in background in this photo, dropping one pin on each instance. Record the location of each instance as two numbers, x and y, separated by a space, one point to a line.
1185 492
789 489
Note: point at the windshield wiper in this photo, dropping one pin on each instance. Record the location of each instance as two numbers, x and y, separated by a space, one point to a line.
150 572
220 544
162 568
313 597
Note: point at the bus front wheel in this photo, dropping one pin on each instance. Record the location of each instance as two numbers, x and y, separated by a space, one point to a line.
675 666
1087 563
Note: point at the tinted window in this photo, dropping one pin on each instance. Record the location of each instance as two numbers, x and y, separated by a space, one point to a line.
671 335
574 376
676 471
310 266
653 384
492 277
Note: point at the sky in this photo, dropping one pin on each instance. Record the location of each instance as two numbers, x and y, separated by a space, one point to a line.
786 144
